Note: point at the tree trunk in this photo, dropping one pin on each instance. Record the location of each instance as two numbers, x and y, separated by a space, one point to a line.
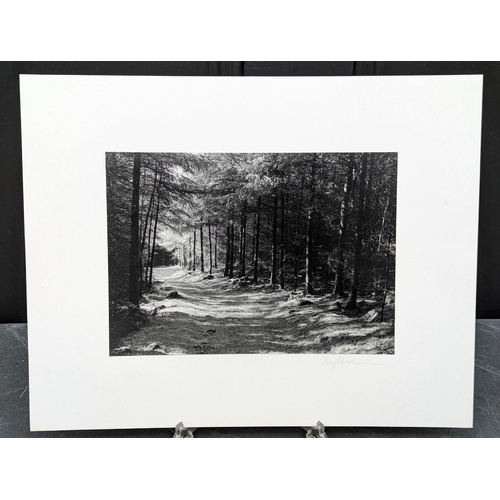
216 244
228 249
201 248
190 256
309 232
296 266
253 239
282 243
388 268
309 252
231 253
382 226
210 246
154 241
367 206
257 235
274 277
353 296
344 211
240 248
148 257
149 215
236 250
194 249
296 251
134 290
243 240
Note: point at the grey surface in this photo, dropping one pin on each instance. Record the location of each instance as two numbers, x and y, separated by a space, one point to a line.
14 399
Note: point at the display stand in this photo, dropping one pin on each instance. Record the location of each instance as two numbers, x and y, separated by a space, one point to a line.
317 431
183 432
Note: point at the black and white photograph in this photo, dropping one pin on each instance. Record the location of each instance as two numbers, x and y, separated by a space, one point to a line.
248 253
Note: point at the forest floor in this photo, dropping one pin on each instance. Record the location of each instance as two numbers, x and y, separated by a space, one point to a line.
221 316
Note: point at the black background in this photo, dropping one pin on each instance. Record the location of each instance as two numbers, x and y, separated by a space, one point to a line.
12 264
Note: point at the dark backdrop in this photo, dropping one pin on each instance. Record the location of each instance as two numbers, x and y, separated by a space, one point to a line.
12 265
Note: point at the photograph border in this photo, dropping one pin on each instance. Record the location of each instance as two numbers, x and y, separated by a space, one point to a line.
276 267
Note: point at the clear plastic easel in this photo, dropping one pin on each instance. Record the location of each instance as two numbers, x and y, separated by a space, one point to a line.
316 431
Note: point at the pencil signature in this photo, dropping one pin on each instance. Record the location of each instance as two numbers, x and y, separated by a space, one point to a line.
346 361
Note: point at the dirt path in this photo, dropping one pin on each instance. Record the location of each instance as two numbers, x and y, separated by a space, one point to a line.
219 316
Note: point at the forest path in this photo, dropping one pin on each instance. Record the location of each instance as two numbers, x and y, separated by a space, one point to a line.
221 316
